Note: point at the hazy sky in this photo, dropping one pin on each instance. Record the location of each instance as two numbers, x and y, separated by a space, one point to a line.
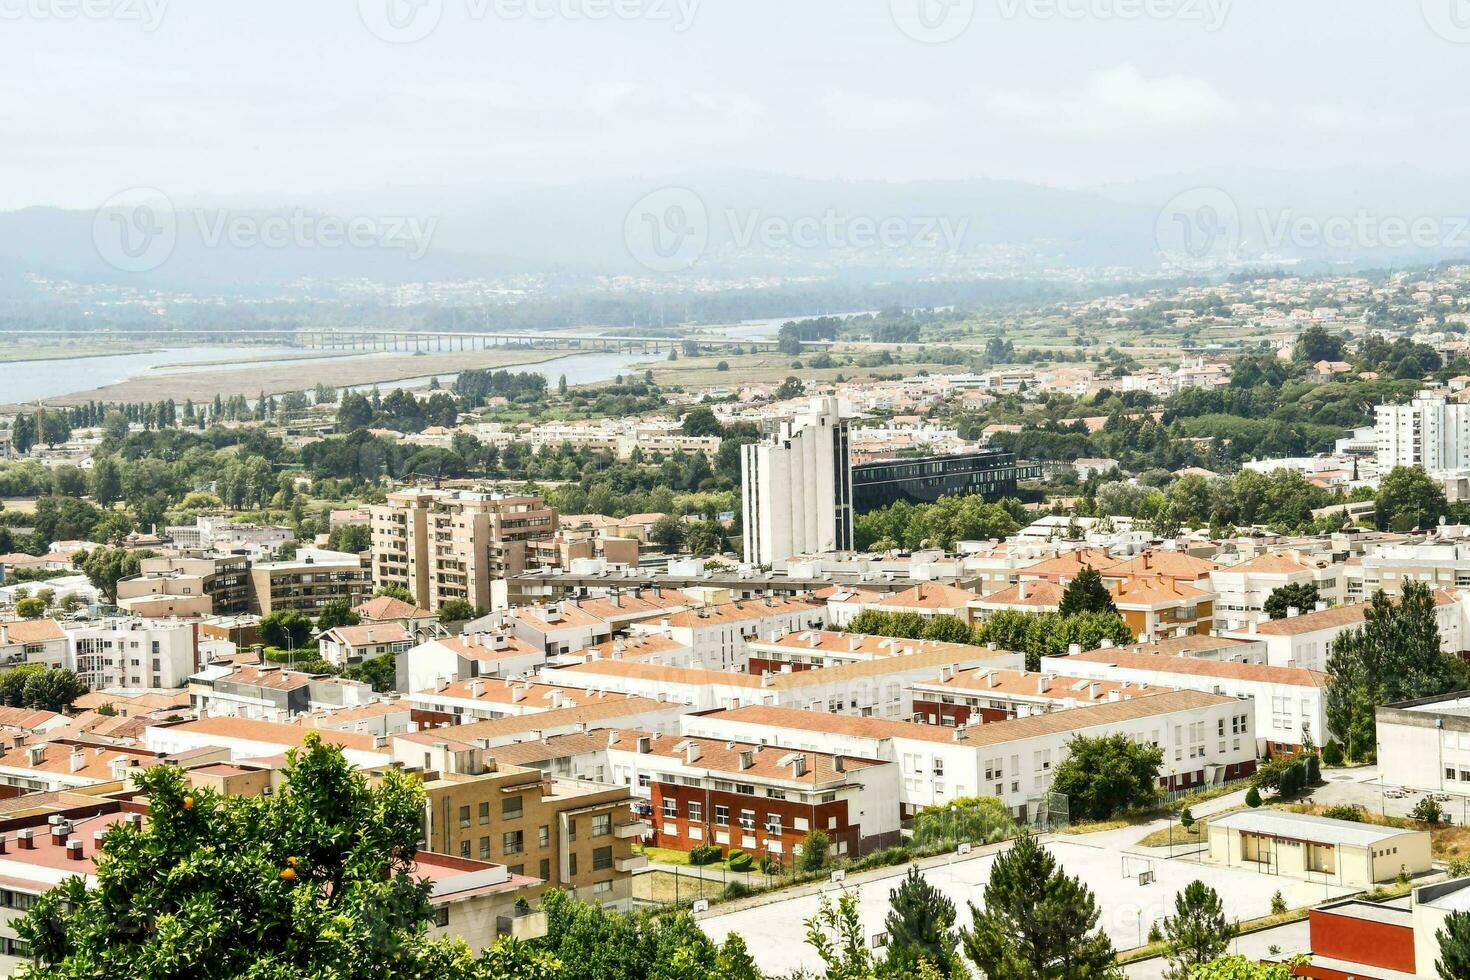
277 101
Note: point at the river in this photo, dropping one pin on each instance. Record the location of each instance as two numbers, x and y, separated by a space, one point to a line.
27 381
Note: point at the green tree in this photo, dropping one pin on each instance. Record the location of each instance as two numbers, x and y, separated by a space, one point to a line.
814 850
1409 498
947 629
667 532
316 880
106 481
30 607
456 611
1245 968
380 672
1302 596
1038 923
105 566
701 421
1454 947
1105 775
919 923
13 684
285 628
394 591
351 538
52 690
1086 594
1197 932
1394 656
837 935
337 612
1315 344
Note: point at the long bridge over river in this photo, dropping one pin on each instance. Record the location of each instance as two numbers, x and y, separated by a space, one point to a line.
374 339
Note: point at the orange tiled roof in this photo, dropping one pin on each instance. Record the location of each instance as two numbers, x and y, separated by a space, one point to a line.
1198 667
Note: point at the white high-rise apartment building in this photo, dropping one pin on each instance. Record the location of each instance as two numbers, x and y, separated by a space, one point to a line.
1431 431
797 488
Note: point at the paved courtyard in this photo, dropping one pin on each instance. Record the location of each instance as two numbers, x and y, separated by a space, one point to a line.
775 932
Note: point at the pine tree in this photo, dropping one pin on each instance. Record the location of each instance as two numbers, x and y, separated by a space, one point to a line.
1454 947
1086 593
919 921
1037 922
1197 932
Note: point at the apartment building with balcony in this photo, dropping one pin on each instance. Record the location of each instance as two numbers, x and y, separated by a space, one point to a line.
223 579
760 798
444 544
309 581
33 641
571 835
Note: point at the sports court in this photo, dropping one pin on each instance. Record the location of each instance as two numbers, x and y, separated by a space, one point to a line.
776 933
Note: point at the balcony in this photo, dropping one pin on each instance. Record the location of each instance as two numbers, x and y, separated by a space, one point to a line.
633 862
635 828
524 925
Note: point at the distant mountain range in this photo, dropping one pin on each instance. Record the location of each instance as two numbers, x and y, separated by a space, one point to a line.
741 225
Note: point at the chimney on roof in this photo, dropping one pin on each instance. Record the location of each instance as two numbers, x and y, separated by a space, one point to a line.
798 766
945 674
74 850
1074 649
692 753
1092 690
26 838
1043 684
747 759
767 679
645 745
612 737
440 683
36 754
60 832
1251 629
77 759
1107 643
1292 612
1321 605
959 733
1021 587
4 843
477 688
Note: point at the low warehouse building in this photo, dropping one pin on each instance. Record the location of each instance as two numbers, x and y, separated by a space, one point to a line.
1299 845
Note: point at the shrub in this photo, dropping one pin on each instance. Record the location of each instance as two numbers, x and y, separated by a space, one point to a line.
1278 904
1313 768
736 889
770 866
705 854
813 851
1155 935
740 861
1427 810
1253 798
1332 754
1346 811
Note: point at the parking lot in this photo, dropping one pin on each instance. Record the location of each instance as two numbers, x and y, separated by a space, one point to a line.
776 931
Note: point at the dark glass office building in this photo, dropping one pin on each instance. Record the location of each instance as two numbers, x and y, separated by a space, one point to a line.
991 473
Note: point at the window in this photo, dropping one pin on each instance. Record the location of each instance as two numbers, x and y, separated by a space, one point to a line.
602 887
773 824
484 814
671 807
571 865
696 814
464 817
544 871
571 829
441 916
510 808
747 820
484 848
722 815
512 842
464 848
543 836
601 824
602 858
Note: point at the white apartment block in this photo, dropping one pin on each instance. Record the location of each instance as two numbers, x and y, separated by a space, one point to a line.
1289 702
32 641
797 488
1305 639
1206 739
719 634
1242 590
1430 431
133 653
